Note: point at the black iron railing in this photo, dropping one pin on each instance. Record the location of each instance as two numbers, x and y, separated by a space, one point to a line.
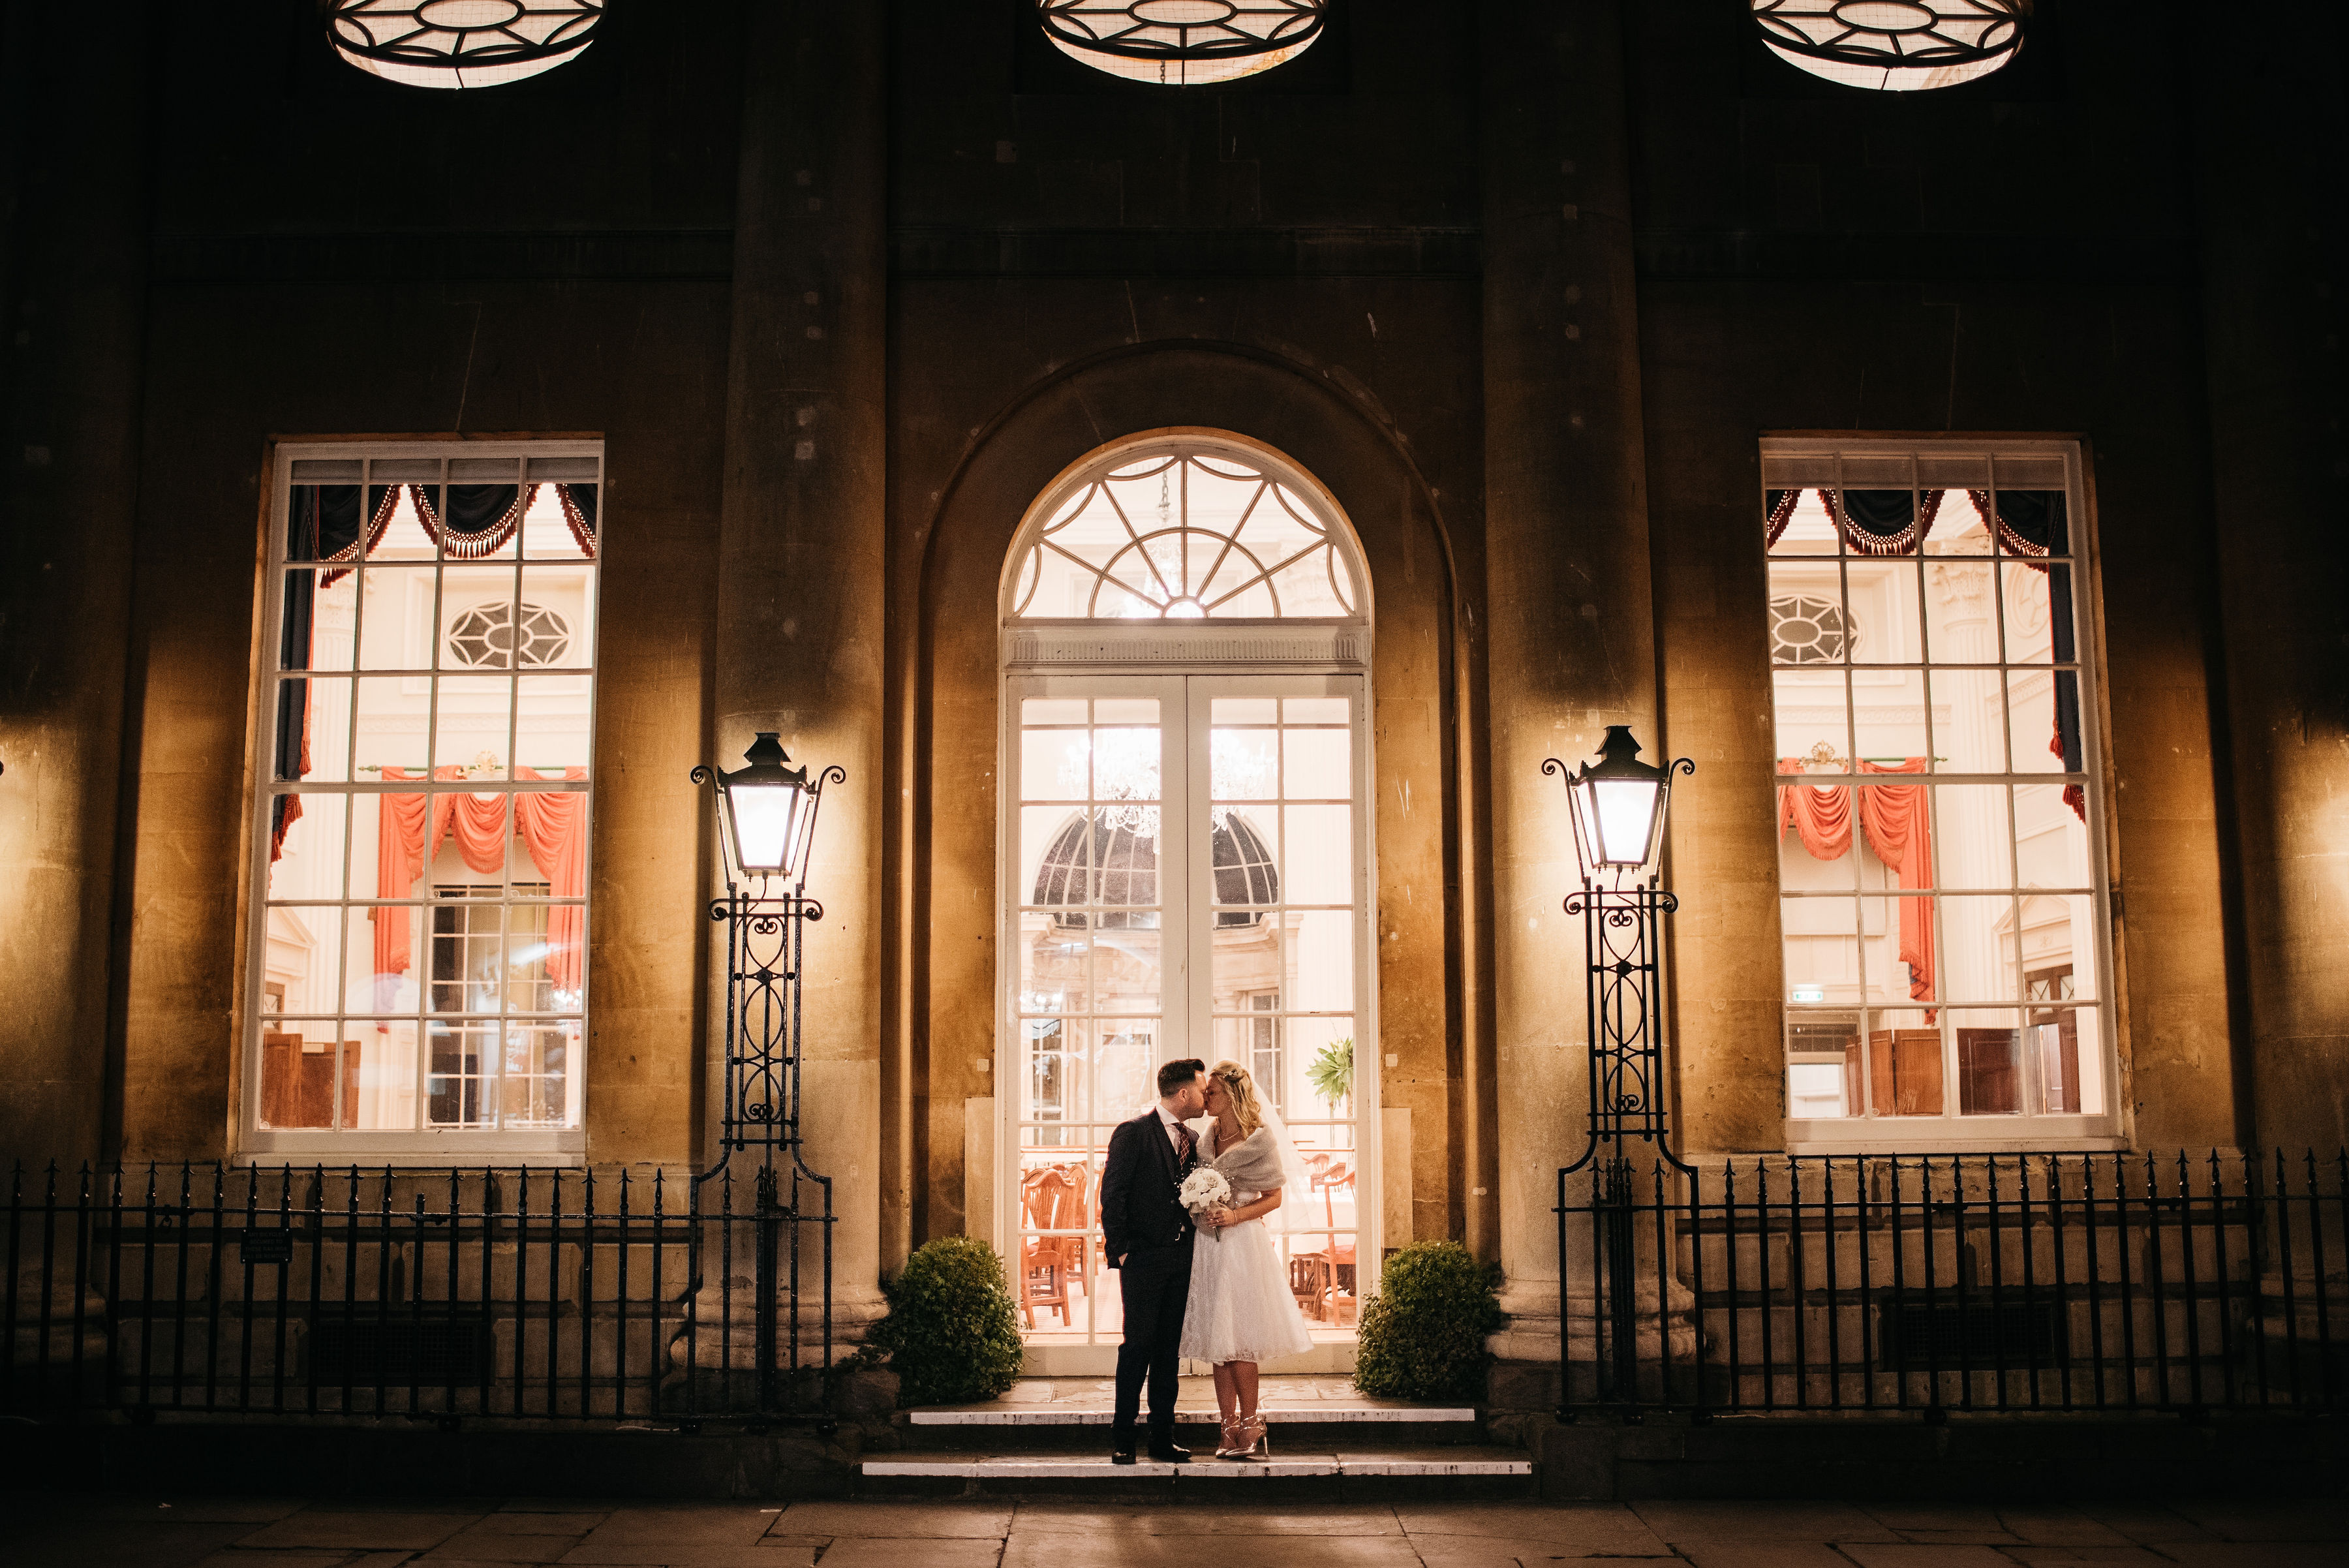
546 1294
1957 1281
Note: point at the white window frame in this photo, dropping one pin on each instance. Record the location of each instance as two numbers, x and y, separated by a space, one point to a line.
1819 462
298 461
1101 657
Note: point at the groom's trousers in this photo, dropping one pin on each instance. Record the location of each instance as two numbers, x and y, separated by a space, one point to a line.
1154 1285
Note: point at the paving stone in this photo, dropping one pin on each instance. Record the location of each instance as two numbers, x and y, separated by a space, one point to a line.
1072 1549
906 1520
555 1505
538 1524
1942 1516
2058 1527
2294 1519
2144 1523
712 1535
2111 1556
236 1559
2257 1554
357 1530
1876 1554
926 1551
1692 1520
1061 1516
1584 1530
72 1543
478 1544
1720 1552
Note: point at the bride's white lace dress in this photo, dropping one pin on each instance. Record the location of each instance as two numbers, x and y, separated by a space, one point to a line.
1239 1307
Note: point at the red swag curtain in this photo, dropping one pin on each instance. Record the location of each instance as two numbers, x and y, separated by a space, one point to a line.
551 826
1895 818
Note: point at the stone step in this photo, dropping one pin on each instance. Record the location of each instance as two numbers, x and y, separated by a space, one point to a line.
1307 1471
1319 1426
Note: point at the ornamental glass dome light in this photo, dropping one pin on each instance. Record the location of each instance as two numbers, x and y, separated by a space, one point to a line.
1894 46
462 42
1183 43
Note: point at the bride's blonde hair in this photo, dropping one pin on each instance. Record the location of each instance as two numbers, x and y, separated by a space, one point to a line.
1247 1109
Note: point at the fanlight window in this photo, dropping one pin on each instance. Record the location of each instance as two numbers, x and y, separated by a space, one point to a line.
1186 535
462 42
1183 43
1894 46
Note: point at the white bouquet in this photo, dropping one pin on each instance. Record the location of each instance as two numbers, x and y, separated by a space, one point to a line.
1203 1189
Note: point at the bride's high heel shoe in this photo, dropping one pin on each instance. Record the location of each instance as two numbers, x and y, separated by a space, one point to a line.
1235 1443
1259 1442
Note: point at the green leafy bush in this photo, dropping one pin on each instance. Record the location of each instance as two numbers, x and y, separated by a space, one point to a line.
1332 1071
1422 1335
952 1334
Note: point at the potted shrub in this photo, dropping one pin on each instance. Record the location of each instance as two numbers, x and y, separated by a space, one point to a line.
952 1334
1422 1335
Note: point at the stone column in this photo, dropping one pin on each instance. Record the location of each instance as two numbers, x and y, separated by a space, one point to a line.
801 542
1571 632
72 320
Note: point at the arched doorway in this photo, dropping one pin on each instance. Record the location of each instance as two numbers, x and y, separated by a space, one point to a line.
1185 850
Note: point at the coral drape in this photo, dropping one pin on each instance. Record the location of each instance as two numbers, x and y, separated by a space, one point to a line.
1898 821
551 826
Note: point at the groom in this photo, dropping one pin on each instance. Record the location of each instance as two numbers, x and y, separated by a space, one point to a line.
1147 1234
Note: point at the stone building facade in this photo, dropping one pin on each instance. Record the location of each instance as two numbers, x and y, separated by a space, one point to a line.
1539 310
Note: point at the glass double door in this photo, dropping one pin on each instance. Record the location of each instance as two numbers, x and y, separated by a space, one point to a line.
1190 877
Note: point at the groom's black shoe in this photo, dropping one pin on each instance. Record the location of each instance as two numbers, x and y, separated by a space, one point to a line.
1121 1456
1167 1453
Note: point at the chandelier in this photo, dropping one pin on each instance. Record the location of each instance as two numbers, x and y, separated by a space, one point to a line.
1894 46
1182 42
462 42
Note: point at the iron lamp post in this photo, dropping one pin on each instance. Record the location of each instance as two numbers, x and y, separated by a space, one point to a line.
766 821
1618 807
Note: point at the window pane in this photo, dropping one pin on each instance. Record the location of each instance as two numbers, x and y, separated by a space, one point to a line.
1904 1069
460 1082
1890 707
551 726
1245 764
1822 950
381 944
477 618
1976 963
473 723
1813 716
1957 527
302 961
1318 709
1884 612
1901 951
1824 1067
1973 841
1055 967
2031 630
1969 722
1964 607
1249 963
551 531
395 617
1807 531
1055 764
1320 975
1992 1077
1053 710
1318 765
308 856
297 1074
2059 947
1320 863
1125 764
393 710
536 1090
1127 960
2032 719
387 1072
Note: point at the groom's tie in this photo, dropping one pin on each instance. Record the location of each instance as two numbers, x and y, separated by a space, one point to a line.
1186 1145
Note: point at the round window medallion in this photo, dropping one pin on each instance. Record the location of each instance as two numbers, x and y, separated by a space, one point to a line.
1182 42
1806 629
1894 46
494 636
462 42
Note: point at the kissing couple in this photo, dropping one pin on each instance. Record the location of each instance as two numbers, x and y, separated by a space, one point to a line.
1186 1195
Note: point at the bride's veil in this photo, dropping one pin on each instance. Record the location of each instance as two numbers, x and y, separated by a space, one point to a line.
1297 1183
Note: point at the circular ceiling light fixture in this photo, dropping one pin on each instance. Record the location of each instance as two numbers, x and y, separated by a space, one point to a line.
462 42
1183 43
1894 46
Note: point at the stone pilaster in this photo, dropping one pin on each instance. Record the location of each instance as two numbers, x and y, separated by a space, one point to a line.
801 548
1572 643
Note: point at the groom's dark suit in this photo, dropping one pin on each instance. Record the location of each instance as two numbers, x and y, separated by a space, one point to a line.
1146 1234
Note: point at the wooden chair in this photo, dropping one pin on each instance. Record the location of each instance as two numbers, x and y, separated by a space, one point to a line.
1052 1197
1323 1281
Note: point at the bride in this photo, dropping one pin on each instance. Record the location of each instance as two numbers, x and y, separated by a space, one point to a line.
1239 1312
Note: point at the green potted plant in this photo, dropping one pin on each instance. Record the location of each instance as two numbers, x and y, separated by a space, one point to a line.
952 1333
1422 1335
1332 1071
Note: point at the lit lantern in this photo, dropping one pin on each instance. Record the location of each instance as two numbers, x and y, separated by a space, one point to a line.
1894 46
1183 43
769 809
462 42
1619 806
